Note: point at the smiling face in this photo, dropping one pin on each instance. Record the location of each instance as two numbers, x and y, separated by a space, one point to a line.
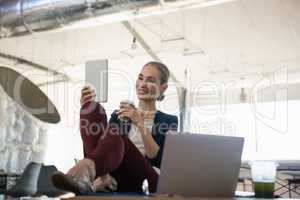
148 84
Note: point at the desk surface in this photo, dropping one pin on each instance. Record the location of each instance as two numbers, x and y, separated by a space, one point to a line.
156 198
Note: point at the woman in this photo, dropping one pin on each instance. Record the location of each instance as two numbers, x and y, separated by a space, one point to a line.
122 151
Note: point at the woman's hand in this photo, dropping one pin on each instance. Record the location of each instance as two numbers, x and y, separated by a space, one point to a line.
87 95
132 113
105 183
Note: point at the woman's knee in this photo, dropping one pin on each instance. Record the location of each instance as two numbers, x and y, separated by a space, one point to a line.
93 119
93 111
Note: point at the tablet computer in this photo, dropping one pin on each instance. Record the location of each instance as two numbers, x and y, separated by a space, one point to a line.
96 76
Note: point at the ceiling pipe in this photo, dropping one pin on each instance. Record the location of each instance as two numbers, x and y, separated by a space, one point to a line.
22 17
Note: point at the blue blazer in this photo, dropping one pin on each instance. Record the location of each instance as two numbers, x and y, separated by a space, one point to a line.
162 124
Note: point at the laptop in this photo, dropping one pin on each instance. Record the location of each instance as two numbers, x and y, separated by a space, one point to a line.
200 165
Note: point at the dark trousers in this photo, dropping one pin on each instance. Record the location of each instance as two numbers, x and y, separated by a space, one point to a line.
113 152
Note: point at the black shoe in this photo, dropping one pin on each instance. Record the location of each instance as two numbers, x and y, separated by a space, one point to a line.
65 182
45 185
27 184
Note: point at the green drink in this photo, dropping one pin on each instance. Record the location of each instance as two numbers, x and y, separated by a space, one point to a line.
263 189
263 175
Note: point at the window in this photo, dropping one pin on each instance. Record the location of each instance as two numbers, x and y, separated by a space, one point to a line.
271 130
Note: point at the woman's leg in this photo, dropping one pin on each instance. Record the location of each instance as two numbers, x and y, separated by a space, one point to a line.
133 170
114 153
111 152
103 151
101 143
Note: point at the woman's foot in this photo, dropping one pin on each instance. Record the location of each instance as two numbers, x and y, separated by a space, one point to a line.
105 183
65 182
79 178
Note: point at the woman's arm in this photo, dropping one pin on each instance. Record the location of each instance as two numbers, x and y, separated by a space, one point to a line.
159 134
151 147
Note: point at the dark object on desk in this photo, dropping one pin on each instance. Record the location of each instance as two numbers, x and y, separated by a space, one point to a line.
45 185
27 184
65 182
41 185
28 96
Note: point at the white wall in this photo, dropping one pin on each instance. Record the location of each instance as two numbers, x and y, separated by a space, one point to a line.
22 138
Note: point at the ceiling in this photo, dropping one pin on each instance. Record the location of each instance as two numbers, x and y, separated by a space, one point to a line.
242 38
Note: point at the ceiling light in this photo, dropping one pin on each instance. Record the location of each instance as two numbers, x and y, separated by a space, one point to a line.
188 52
133 44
